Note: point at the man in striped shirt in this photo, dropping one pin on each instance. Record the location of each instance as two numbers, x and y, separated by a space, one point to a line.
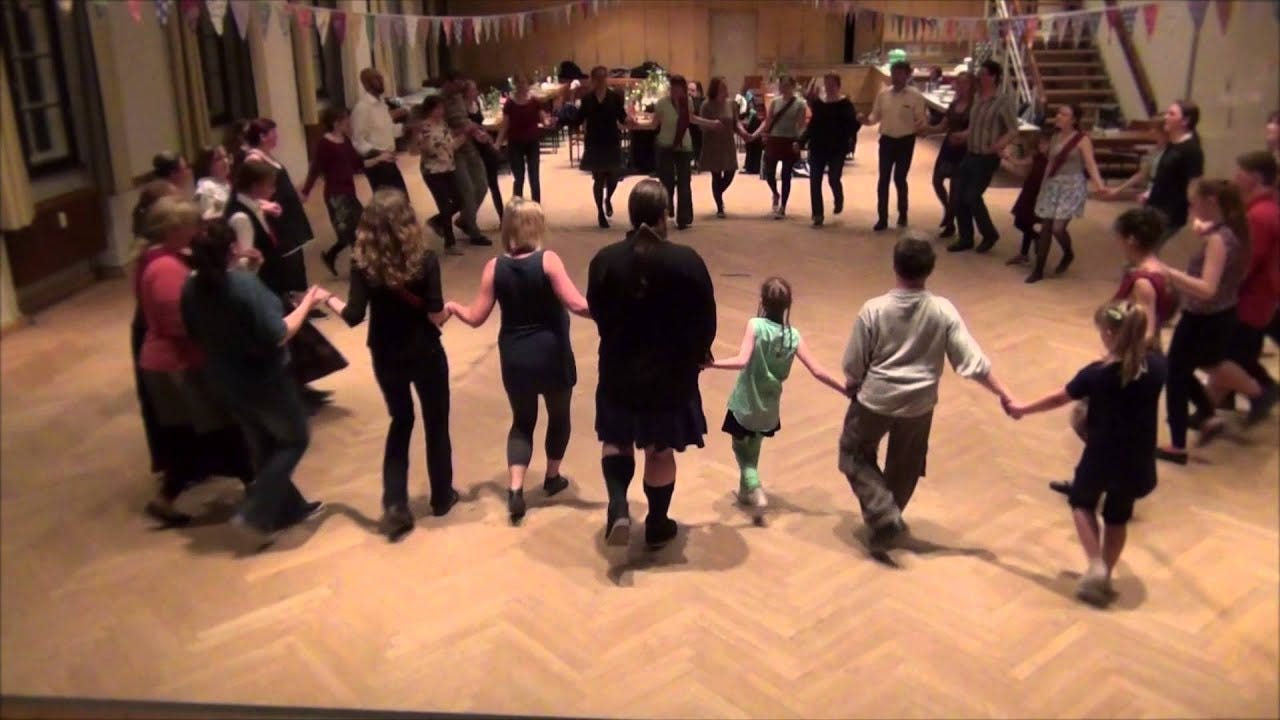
993 124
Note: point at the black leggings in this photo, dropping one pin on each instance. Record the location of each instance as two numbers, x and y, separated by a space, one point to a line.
720 181
1198 341
524 418
944 169
444 190
1051 230
771 174
489 155
522 155
602 187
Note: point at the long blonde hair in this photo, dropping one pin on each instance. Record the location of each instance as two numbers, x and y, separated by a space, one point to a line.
390 244
1125 325
524 227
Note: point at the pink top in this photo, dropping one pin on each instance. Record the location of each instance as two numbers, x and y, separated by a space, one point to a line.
166 347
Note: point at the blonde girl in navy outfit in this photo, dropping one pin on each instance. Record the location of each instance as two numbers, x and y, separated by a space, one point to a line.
1123 390
769 346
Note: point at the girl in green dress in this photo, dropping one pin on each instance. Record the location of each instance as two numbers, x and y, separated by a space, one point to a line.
769 346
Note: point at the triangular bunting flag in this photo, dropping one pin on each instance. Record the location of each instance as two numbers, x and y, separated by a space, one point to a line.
412 29
190 12
568 13
1095 20
217 14
338 26
284 13
322 22
1224 13
264 17
1033 27
520 24
1113 23
135 10
447 24
386 33
240 13
162 11
304 14
1149 13
370 29
1130 17
1198 9
1078 28
1064 27
100 8
460 31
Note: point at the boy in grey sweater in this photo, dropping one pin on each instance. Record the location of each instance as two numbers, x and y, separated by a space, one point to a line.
891 366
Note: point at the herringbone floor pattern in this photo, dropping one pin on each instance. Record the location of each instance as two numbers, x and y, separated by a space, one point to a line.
785 618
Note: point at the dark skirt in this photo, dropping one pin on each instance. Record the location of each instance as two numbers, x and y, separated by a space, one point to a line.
194 435
674 429
311 355
602 157
781 149
536 361
735 429
137 334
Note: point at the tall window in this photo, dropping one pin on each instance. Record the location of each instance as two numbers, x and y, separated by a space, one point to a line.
228 73
38 84
326 58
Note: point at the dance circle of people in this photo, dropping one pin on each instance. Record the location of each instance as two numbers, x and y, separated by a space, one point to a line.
225 346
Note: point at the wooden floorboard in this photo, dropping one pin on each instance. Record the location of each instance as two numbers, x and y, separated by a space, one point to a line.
788 618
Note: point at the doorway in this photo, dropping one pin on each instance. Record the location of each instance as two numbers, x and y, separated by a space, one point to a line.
733 46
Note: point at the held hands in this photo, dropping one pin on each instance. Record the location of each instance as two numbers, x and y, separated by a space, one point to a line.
269 207
250 258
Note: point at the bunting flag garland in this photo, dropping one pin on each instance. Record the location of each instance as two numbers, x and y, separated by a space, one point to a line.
217 14
370 29
1094 21
240 13
135 10
264 17
1197 8
1224 13
1064 28
162 11
321 16
303 13
338 26
283 12
385 30
190 12
1149 13
1079 24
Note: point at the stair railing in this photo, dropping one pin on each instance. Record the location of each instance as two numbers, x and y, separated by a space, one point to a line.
1013 52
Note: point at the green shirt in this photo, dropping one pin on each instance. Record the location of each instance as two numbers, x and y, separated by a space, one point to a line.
787 124
757 396
669 116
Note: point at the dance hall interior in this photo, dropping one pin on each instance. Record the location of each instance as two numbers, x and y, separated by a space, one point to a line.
1015 262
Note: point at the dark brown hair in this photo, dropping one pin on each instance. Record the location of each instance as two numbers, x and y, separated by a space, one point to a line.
257 129
1144 225
251 173
332 115
1260 163
1230 203
913 259
1190 113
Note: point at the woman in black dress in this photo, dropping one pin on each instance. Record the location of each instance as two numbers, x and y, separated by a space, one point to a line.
396 276
604 113
956 120
655 309
533 289
291 228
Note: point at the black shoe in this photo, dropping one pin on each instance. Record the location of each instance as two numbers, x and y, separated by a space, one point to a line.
986 245
442 509
481 241
515 505
838 207
882 537
1177 458
817 221
682 226
1060 486
1065 263
608 207
555 485
166 514
397 522
1035 277
617 526
659 531
959 246
948 231
310 393
602 221
902 221
330 259
881 225
438 227
1259 409
671 211
720 213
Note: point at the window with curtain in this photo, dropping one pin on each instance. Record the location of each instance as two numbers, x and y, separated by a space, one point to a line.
38 84
228 73
326 57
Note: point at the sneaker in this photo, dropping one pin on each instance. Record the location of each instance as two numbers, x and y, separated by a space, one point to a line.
1259 409
720 214
1171 456
838 207
659 531
554 485
947 232
617 527
1035 277
260 539
330 259
1094 587
902 221
602 221
754 498
442 509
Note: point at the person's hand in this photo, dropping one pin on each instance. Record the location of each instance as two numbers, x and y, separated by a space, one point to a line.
250 258
387 157
270 207
320 294
1143 197
1202 227
1012 408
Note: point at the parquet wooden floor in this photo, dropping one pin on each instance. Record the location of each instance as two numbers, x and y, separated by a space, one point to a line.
788 619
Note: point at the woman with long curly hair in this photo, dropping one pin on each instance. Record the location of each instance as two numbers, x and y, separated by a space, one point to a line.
396 277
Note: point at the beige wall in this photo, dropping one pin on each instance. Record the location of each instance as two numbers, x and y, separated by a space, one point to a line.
275 85
1243 59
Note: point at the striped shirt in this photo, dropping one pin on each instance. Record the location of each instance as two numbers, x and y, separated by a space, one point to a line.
989 119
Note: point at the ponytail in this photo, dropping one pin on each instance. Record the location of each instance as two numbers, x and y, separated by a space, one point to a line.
1125 323
1230 204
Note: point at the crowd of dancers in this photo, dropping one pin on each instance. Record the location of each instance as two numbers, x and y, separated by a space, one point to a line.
225 346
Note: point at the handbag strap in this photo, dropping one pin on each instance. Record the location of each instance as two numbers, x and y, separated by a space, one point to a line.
1060 157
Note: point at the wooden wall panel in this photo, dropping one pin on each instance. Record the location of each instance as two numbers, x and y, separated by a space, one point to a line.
673 33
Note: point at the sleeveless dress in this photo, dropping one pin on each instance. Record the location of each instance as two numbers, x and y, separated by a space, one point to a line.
719 153
1062 196
756 400
533 343
1166 299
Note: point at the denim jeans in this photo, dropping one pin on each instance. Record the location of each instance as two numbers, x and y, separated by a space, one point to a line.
274 422
427 372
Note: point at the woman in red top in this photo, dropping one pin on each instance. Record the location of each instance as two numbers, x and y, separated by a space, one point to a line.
1140 231
194 437
336 159
1260 291
522 133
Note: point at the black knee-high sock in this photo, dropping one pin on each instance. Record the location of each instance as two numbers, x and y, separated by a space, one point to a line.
659 499
618 471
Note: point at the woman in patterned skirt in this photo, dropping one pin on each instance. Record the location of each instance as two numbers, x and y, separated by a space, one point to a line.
1064 191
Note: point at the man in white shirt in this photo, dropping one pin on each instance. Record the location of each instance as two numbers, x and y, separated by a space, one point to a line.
901 112
892 365
374 129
